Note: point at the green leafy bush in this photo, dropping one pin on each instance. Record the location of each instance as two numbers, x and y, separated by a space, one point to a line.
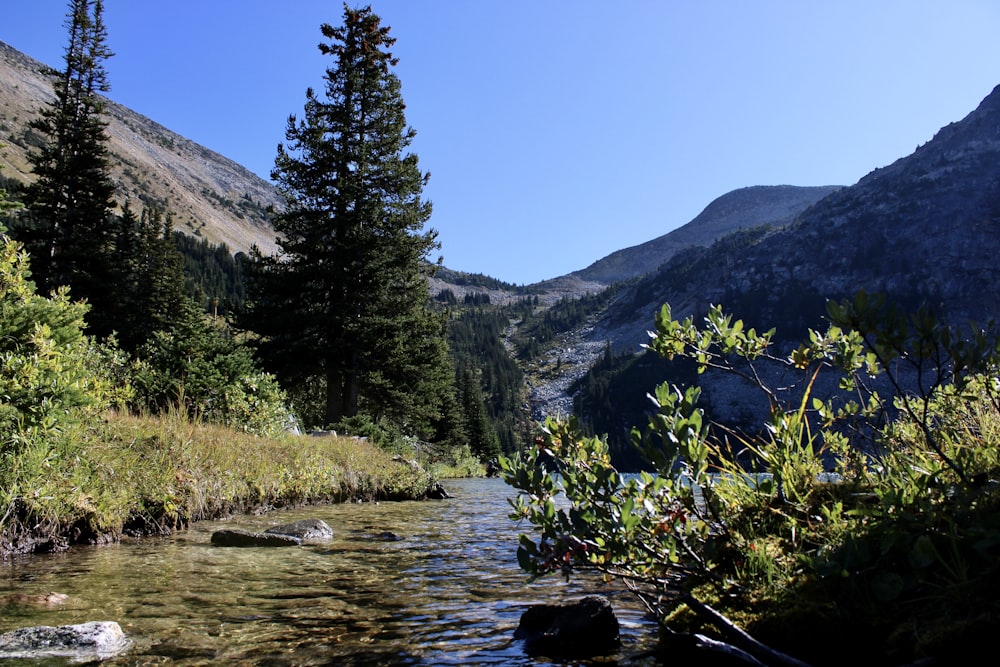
44 379
43 376
859 511
197 365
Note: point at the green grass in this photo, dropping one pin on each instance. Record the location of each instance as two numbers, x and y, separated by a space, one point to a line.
123 474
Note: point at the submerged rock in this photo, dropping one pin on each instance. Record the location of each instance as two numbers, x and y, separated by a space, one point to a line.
234 537
306 529
96 640
581 629
50 599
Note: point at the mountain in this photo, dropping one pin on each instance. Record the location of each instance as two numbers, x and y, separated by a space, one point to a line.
776 205
625 274
924 230
209 195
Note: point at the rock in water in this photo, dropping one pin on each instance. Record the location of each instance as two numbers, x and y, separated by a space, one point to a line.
437 492
307 529
242 538
96 640
578 630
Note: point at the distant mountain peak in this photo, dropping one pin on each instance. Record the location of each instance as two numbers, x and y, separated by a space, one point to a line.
775 205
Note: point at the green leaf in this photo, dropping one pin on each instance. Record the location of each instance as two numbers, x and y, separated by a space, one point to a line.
887 586
923 554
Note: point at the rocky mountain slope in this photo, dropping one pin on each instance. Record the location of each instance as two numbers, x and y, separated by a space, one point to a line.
775 205
734 213
208 194
923 230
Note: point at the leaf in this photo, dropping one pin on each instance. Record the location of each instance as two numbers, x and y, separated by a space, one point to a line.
524 560
923 554
887 586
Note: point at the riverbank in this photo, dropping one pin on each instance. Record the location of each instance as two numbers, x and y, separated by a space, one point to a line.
128 475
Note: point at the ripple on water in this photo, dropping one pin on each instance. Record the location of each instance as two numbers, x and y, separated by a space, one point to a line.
399 584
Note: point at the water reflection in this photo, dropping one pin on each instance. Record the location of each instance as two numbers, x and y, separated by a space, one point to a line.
406 583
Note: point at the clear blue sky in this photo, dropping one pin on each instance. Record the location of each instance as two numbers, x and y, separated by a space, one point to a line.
559 131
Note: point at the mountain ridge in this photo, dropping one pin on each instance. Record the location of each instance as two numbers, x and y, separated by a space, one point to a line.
208 194
776 205
923 231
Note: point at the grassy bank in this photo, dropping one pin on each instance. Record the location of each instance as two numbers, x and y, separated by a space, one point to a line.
147 475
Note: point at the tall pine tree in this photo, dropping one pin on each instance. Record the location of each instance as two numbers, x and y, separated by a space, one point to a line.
344 307
68 231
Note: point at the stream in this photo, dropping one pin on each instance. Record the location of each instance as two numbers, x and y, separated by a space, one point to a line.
401 583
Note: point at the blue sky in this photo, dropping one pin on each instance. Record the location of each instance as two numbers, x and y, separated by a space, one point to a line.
559 131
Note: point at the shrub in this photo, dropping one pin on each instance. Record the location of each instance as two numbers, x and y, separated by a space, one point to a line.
44 380
198 365
852 511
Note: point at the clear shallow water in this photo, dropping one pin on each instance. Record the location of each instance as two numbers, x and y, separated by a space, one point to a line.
411 583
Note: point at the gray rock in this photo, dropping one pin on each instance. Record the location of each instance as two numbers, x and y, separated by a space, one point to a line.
243 538
581 629
306 529
96 640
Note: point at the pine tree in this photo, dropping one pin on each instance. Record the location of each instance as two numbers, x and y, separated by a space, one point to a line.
483 438
148 293
345 306
67 232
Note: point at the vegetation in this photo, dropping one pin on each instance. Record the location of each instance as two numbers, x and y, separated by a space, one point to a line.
213 276
143 475
136 411
67 228
613 396
850 513
490 383
343 311
147 295
479 280
569 312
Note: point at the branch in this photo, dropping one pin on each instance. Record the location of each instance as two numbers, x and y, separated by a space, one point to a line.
740 638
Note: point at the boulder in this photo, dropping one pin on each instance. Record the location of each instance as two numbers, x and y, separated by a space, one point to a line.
577 630
385 536
436 492
242 538
96 640
306 529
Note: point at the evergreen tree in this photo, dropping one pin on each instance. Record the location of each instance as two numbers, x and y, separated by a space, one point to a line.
7 206
67 232
483 439
148 295
345 306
